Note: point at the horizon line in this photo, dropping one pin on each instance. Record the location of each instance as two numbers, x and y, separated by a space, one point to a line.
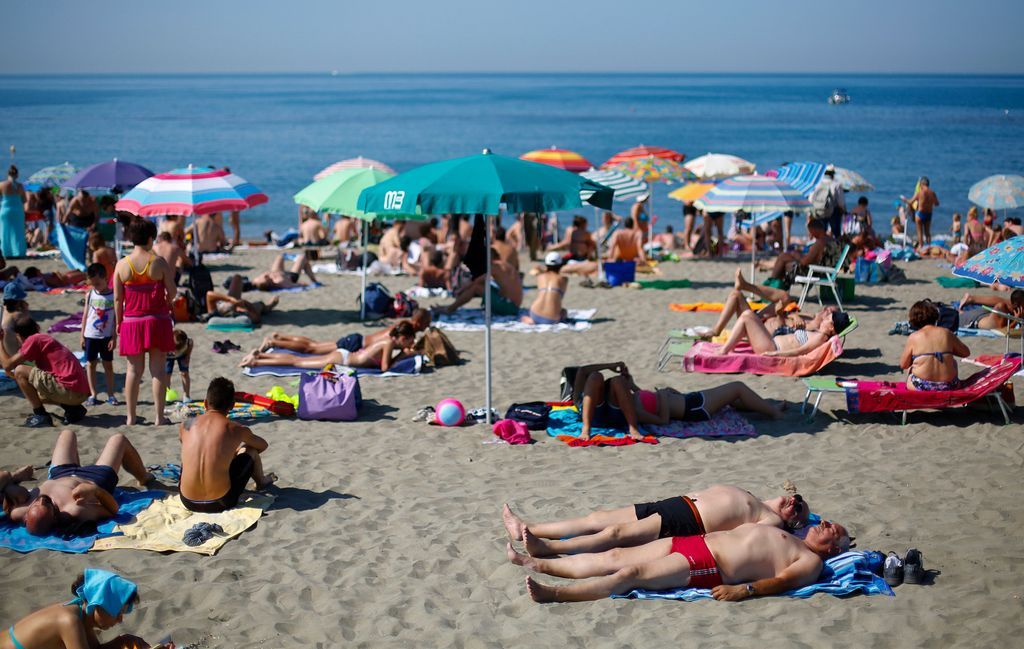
339 73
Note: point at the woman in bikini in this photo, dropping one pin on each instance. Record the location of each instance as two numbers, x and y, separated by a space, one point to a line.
381 353
931 351
551 287
749 328
143 291
975 233
101 600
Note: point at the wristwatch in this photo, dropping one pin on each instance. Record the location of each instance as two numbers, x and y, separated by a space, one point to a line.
750 589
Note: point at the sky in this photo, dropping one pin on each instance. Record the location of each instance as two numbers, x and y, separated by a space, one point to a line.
252 36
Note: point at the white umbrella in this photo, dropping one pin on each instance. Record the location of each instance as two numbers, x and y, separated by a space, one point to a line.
719 165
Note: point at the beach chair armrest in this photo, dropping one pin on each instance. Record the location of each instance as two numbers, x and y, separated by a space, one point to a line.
827 270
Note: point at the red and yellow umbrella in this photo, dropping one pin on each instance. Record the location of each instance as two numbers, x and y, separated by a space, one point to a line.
643 152
561 158
691 191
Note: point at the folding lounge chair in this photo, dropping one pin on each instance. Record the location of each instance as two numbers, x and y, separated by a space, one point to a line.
827 278
889 396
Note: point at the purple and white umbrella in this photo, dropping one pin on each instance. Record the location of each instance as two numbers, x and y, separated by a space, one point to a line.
113 176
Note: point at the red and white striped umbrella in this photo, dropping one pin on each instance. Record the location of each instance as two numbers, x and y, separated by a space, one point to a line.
355 163
644 152
190 191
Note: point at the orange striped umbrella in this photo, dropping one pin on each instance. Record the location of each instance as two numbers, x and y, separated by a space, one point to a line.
644 152
561 158
691 191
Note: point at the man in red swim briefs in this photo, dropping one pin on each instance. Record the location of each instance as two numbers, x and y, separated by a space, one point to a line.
735 564
714 509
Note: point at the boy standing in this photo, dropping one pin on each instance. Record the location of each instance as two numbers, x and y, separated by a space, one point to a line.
99 337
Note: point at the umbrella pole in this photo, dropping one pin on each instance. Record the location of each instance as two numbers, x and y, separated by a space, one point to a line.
487 320
753 256
366 242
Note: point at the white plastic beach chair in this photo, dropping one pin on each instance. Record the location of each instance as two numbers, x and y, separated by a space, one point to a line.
818 276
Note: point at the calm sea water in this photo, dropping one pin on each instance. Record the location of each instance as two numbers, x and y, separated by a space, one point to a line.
278 130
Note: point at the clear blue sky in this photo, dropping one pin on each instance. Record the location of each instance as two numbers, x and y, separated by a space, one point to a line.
72 36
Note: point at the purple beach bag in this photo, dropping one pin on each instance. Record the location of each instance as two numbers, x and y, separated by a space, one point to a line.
329 397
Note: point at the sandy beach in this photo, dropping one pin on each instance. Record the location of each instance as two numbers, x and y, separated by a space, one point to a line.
388 533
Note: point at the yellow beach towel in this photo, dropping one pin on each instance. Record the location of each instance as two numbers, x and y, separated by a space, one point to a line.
161 526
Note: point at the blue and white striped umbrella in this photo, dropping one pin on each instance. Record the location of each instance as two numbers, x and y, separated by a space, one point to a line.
49 177
626 187
1000 192
753 194
804 176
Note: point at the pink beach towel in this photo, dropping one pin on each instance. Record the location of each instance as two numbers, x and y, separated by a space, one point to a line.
889 396
703 357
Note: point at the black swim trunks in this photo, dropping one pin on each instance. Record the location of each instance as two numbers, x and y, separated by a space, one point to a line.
679 516
240 471
292 276
101 475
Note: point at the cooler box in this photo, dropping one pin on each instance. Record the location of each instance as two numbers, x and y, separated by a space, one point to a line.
845 286
617 273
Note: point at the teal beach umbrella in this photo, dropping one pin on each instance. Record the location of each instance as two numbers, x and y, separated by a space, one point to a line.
480 184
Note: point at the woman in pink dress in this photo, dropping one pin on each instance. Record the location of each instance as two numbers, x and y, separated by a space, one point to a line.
143 291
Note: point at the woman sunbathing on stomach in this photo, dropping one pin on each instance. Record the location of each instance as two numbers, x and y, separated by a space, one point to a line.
380 353
930 351
749 328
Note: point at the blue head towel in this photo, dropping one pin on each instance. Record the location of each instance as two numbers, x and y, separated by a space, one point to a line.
106 590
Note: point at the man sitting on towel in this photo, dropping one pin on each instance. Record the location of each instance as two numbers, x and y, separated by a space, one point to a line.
714 509
72 494
747 561
218 456
506 289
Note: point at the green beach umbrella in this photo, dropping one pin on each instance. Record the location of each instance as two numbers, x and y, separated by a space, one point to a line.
480 184
338 193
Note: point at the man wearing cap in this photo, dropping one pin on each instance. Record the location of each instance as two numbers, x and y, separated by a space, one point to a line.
15 303
57 377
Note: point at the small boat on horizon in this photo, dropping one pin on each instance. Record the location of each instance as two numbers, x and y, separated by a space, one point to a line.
839 96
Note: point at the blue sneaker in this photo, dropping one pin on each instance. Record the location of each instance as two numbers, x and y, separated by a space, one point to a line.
39 421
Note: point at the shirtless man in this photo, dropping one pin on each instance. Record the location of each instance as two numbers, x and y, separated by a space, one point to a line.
626 244
506 251
717 508
924 201
208 235
226 305
381 353
218 456
72 494
775 316
277 277
818 253
578 241
505 297
514 235
345 231
433 273
420 320
391 252
175 225
101 253
166 247
312 232
750 560
979 318
82 211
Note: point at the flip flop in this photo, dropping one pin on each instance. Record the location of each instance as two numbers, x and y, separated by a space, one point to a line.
229 346
218 347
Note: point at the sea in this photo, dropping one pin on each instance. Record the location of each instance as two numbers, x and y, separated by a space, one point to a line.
278 130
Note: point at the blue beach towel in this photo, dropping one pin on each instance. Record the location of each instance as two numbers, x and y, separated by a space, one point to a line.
405 367
73 244
17 538
848 574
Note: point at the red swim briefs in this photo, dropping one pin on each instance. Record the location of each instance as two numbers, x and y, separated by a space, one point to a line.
703 568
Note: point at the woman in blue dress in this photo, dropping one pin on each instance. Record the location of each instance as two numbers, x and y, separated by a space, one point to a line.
12 215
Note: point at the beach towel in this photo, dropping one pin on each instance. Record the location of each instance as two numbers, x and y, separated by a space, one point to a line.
902 328
67 325
375 268
663 284
956 282
296 289
847 574
7 383
424 292
161 526
727 422
703 357
131 503
239 322
988 360
240 410
564 424
73 244
473 320
890 396
66 290
405 367
710 307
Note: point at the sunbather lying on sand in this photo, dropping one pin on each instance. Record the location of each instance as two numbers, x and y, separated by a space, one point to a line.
381 353
72 494
419 320
763 340
931 351
747 561
717 508
618 402
231 303
973 315
778 315
277 277
100 601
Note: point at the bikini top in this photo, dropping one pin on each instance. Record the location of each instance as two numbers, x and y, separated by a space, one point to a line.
552 288
937 355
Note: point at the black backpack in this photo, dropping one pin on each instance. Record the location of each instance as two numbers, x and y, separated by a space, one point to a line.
199 284
534 414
